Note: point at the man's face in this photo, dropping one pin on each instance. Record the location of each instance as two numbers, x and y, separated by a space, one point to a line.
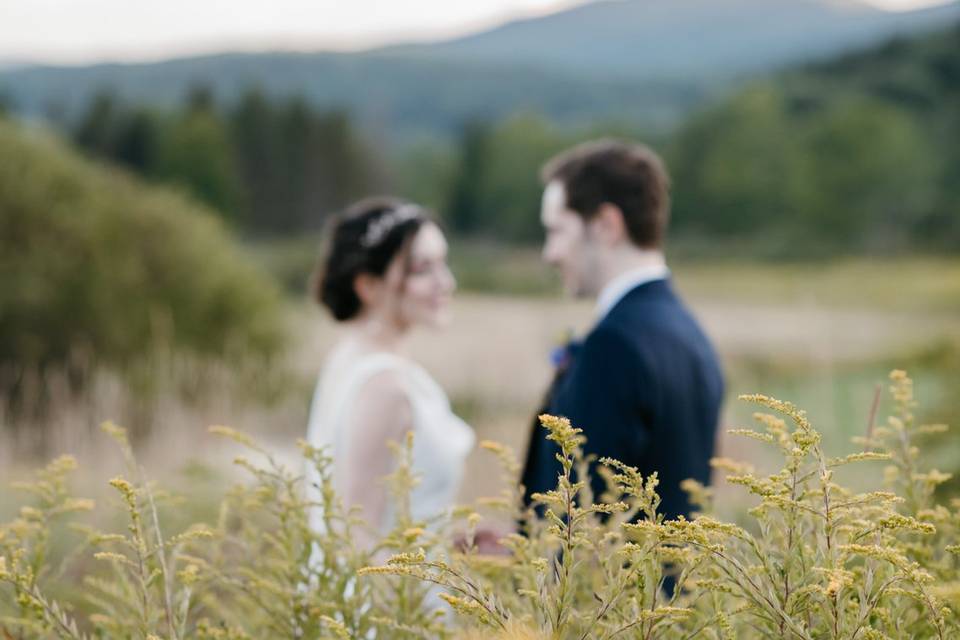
569 245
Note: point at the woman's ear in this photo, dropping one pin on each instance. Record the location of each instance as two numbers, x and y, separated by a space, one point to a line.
369 288
608 225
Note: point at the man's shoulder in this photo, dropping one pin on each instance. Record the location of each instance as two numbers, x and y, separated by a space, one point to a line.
615 346
655 319
654 303
648 309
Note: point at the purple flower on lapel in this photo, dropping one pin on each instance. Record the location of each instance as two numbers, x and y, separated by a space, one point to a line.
562 355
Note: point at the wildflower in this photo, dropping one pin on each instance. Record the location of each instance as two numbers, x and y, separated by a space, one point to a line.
189 574
117 433
413 533
932 477
931 429
123 486
233 434
461 605
194 533
111 557
797 415
897 521
666 612
750 433
104 538
859 457
492 446
408 558
337 627
731 466
29 513
61 465
563 433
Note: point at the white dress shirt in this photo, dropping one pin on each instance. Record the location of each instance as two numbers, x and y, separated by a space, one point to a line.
616 289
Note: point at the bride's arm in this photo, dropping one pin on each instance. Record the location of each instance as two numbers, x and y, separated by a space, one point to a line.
382 414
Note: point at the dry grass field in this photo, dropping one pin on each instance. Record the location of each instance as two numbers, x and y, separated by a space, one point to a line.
822 337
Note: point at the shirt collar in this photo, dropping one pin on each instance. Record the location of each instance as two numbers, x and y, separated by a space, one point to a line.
614 291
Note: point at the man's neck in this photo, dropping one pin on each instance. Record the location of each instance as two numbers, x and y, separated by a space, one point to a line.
640 268
629 260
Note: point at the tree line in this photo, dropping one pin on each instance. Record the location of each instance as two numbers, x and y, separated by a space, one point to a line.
852 155
267 166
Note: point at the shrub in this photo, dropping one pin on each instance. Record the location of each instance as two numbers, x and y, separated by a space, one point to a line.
95 262
817 561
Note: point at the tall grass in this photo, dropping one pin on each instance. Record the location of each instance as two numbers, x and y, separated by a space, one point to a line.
815 560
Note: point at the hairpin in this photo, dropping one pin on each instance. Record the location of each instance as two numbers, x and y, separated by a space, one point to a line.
379 228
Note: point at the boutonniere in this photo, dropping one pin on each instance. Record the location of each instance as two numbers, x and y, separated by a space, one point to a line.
563 353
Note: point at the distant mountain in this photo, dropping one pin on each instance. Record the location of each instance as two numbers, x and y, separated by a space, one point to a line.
392 95
644 62
691 39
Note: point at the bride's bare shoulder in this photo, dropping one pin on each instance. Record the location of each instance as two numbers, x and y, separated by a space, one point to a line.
383 404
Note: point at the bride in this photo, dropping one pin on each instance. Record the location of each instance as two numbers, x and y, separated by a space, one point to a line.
385 274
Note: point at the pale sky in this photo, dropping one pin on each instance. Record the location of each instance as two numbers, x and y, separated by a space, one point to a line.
84 31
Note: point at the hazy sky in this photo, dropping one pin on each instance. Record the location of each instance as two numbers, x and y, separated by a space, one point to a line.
81 31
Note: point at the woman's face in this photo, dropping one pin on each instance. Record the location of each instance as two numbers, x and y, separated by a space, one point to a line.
421 282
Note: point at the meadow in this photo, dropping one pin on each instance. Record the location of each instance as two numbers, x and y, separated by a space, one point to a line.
156 252
821 335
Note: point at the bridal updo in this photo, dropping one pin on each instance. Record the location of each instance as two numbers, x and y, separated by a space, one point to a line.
364 239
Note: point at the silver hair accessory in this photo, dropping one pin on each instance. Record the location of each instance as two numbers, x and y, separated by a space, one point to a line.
379 228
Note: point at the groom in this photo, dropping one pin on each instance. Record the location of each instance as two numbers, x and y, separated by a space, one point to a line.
645 384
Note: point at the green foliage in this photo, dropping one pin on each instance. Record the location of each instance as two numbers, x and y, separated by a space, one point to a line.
196 154
423 172
849 156
845 157
853 155
95 262
747 194
297 164
495 190
266 166
131 137
816 560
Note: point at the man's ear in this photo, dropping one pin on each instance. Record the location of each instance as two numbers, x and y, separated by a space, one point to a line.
608 225
368 288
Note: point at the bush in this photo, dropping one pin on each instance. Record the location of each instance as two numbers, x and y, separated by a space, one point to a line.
818 561
96 262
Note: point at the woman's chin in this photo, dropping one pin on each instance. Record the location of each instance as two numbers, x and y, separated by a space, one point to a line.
438 320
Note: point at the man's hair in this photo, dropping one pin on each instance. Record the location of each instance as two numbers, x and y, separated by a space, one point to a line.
630 176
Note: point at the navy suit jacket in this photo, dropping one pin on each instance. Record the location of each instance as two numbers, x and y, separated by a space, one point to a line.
646 388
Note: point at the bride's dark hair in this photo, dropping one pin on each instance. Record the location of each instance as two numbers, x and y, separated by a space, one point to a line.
363 239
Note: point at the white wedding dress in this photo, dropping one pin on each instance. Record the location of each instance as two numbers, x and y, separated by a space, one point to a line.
441 440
